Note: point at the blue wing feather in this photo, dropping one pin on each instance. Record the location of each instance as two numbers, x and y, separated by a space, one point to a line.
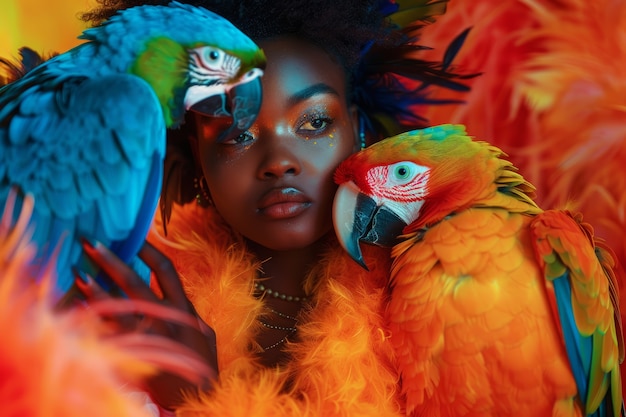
126 249
578 347
584 303
91 152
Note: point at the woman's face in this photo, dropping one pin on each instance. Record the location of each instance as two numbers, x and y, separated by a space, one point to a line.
274 184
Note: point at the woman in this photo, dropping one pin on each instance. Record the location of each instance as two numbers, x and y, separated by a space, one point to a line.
295 326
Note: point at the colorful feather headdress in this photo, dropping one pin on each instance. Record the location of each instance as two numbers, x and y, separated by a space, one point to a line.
391 79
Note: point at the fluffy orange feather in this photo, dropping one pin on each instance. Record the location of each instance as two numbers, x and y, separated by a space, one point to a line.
343 363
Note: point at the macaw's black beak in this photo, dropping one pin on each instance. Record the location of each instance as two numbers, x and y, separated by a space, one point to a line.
358 218
231 113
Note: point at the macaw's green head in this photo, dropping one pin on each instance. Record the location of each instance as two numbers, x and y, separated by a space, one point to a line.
195 61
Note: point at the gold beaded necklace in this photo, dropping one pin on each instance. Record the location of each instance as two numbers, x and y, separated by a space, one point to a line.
265 290
289 329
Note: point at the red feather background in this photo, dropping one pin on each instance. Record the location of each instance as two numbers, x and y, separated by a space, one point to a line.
552 95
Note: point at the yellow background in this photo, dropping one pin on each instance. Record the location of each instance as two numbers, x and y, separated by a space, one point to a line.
44 25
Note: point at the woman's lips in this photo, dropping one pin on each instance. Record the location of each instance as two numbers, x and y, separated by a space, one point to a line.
283 203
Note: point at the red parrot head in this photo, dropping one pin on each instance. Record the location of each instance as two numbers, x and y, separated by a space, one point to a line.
410 181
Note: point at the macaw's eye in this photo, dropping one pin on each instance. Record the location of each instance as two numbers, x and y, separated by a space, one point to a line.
404 172
211 54
207 59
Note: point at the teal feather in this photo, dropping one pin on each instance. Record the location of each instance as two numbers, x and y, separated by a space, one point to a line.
578 348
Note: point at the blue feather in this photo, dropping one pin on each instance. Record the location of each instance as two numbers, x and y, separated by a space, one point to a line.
578 347
127 248
453 49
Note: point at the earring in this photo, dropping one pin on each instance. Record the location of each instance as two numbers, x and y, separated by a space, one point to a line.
203 198
362 141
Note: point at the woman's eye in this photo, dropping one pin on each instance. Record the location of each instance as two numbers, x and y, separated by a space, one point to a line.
316 124
241 139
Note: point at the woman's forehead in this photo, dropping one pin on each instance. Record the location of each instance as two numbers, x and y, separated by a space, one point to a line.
295 64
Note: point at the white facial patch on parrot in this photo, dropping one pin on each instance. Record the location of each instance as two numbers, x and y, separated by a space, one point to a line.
212 72
401 187
209 65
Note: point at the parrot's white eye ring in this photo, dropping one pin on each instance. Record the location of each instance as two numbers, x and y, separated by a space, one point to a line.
212 54
403 172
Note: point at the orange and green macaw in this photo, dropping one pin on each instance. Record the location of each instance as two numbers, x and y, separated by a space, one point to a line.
497 307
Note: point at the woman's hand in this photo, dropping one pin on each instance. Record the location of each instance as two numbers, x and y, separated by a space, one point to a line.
166 389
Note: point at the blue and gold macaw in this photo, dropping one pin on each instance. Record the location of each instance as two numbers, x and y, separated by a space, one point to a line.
497 307
84 133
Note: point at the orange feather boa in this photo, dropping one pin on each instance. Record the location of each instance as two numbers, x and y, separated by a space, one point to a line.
343 363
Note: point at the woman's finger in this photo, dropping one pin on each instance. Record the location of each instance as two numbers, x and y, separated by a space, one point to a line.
96 296
120 273
88 287
201 337
166 276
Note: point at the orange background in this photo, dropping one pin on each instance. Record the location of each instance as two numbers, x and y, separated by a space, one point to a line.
45 26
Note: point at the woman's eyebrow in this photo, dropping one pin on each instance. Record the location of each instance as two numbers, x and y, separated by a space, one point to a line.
311 91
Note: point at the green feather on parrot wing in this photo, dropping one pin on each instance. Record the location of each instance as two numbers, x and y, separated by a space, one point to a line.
583 292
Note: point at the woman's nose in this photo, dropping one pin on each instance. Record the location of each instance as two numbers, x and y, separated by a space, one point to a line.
279 158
